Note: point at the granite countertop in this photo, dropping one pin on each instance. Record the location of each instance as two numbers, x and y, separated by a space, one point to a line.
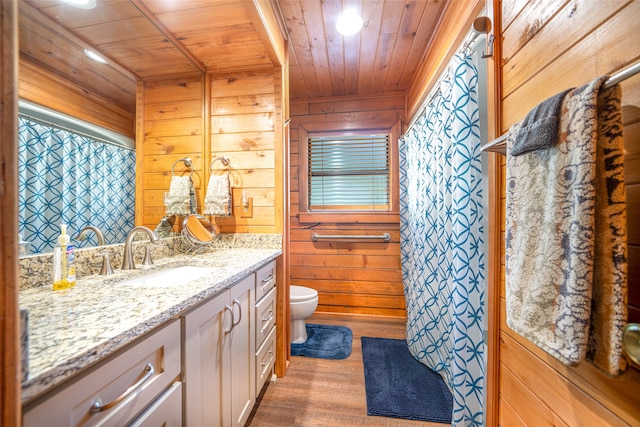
72 329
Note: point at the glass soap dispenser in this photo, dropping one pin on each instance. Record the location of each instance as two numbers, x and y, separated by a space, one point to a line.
64 268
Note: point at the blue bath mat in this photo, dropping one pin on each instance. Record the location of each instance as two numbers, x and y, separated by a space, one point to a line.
325 342
399 386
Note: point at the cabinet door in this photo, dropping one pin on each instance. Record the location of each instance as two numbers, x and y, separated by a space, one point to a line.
206 361
242 337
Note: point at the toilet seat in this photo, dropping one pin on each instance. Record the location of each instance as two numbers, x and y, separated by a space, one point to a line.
301 293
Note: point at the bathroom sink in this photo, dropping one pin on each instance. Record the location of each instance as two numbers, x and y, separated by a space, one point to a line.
170 278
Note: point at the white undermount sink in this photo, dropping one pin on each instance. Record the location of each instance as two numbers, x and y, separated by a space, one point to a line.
169 278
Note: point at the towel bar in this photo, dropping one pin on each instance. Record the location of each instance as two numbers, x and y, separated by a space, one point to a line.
315 237
499 144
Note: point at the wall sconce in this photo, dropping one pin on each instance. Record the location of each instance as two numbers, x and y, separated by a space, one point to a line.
247 206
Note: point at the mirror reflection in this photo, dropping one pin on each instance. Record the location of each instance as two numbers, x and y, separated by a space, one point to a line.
74 167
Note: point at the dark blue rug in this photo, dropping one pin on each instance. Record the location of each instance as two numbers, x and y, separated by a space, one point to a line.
325 342
399 386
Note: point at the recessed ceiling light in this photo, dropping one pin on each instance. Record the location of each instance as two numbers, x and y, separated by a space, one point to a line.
82 4
349 23
94 56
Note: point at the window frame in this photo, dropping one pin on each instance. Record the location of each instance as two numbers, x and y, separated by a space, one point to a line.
391 215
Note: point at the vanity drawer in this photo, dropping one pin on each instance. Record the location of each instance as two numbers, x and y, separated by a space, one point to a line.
265 358
166 411
151 364
265 316
265 279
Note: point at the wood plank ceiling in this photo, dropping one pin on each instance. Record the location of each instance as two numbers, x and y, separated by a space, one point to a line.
383 57
160 39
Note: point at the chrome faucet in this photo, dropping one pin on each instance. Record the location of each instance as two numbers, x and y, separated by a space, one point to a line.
128 262
106 262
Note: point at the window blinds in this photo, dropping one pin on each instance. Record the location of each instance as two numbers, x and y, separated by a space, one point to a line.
348 172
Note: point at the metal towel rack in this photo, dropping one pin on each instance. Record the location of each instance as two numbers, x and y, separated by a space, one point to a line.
187 162
315 237
499 145
225 161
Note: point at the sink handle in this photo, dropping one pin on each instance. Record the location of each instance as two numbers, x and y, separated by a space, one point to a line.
97 407
236 302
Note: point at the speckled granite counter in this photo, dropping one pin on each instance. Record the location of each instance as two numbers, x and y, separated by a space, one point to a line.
72 329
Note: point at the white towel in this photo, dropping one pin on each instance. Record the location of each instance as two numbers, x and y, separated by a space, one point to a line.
178 199
218 199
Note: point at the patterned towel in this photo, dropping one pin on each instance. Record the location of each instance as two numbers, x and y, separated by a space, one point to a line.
218 199
181 199
554 234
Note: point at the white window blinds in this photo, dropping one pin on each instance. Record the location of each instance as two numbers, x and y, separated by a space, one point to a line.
348 172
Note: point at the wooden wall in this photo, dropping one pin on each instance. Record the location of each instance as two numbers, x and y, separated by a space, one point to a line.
242 129
363 278
170 127
547 47
44 88
10 413
202 118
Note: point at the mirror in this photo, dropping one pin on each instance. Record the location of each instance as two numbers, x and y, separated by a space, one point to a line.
198 232
55 73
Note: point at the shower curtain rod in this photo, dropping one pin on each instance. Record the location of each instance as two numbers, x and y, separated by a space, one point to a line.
467 44
74 125
499 144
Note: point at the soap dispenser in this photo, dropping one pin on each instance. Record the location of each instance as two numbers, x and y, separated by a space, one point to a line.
64 268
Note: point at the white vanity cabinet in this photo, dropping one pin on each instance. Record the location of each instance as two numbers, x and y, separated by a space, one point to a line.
137 383
219 365
265 319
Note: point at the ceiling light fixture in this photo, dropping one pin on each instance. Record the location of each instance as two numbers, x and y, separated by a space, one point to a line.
94 56
349 23
82 4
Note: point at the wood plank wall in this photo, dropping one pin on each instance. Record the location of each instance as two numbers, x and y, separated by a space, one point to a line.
44 88
170 127
362 278
203 118
10 413
242 129
547 47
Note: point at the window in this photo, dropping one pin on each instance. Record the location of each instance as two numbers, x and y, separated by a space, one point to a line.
348 173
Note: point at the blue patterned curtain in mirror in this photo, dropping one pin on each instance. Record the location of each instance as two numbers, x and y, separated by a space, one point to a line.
442 240
67 178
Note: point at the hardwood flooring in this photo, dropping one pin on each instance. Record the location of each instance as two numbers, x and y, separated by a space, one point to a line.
321 392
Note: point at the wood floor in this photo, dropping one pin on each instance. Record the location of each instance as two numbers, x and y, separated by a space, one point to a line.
321 392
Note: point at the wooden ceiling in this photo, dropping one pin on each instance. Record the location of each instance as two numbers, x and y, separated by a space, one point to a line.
383 57
160 39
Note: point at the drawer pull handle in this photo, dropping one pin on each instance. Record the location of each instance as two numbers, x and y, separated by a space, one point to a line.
236 302
98 407
267 280
230 310
268 362
269 317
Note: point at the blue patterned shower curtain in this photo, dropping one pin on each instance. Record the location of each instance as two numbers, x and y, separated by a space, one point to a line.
442 240
65 178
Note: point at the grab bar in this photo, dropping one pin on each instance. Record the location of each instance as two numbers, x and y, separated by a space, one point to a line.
315 237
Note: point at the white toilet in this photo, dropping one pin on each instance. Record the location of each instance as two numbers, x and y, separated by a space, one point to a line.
304 302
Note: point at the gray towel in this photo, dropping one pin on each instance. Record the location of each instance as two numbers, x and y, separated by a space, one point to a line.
539 129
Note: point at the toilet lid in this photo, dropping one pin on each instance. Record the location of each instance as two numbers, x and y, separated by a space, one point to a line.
301 293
